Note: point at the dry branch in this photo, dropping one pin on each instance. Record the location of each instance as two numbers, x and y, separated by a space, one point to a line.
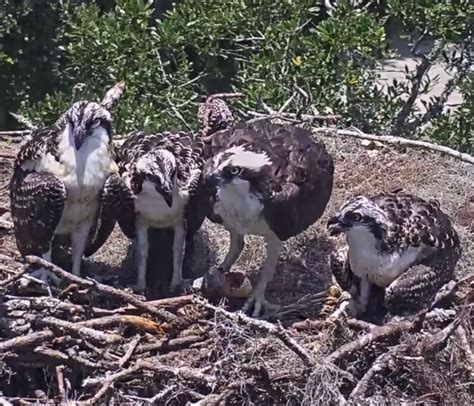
391 139
390 331
268 328
138 322
26 341
381 364
117 293
79 329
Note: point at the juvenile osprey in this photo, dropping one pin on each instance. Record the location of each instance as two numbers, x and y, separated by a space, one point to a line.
60 184
214 114
160 175
269 180
397 242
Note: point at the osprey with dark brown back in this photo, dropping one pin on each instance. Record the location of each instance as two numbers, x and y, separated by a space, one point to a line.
265 179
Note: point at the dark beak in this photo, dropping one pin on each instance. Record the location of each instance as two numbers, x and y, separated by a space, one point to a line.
335 226
213 181
79 137
168 197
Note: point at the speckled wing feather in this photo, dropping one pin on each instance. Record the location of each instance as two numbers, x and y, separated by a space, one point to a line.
38 144
341 269
296 187
214 115
184 146
415 221
188 150
37 202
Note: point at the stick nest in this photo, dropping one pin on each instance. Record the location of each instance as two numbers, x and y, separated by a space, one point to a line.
90 343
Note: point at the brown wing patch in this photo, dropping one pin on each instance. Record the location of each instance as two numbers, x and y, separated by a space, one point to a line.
416 221
296 187
37 202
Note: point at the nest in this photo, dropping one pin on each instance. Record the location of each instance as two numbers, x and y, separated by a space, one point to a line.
90 343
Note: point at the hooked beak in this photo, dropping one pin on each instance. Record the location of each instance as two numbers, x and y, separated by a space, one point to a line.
168 197
213 181
79 137
335 226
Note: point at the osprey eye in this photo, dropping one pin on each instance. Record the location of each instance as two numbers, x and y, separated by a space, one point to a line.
235 170
95 123
356 217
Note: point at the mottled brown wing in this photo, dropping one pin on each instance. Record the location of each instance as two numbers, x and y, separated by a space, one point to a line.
417 221
301 180
37 202
40 142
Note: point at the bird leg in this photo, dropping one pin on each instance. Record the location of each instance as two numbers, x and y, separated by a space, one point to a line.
211 279
237 244
358 302
142 256
257 299
79 241
179 246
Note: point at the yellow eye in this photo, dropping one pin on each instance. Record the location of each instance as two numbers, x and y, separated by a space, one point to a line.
235 170
356 217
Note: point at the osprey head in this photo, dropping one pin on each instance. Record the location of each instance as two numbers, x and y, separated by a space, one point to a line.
88 119
160 168
236 166
358 212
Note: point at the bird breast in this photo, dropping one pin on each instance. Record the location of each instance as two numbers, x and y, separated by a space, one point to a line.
83 173
240 209
154 211
379 267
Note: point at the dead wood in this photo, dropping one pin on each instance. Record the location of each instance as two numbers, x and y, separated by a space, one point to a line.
269 328
77 328
388 332
96 343
138 322
26 341
117 293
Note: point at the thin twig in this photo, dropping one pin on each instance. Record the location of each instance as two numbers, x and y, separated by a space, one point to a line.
131 349
61 385
120 294
265 326
391 139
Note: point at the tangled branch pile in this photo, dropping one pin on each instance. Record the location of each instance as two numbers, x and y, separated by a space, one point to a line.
89 343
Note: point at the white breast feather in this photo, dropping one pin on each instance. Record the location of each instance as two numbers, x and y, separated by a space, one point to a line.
379 268
153 210
83 172
240 209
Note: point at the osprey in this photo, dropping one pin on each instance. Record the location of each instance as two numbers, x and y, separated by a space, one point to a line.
160 174
269 180
214 114
397 242
60 184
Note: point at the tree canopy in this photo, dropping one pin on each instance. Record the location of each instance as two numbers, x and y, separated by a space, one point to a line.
171 54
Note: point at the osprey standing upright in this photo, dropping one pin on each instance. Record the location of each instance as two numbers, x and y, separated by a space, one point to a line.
269 180
61 183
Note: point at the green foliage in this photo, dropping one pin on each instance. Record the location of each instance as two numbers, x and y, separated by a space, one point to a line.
103 48
446 19
269 50
456 128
